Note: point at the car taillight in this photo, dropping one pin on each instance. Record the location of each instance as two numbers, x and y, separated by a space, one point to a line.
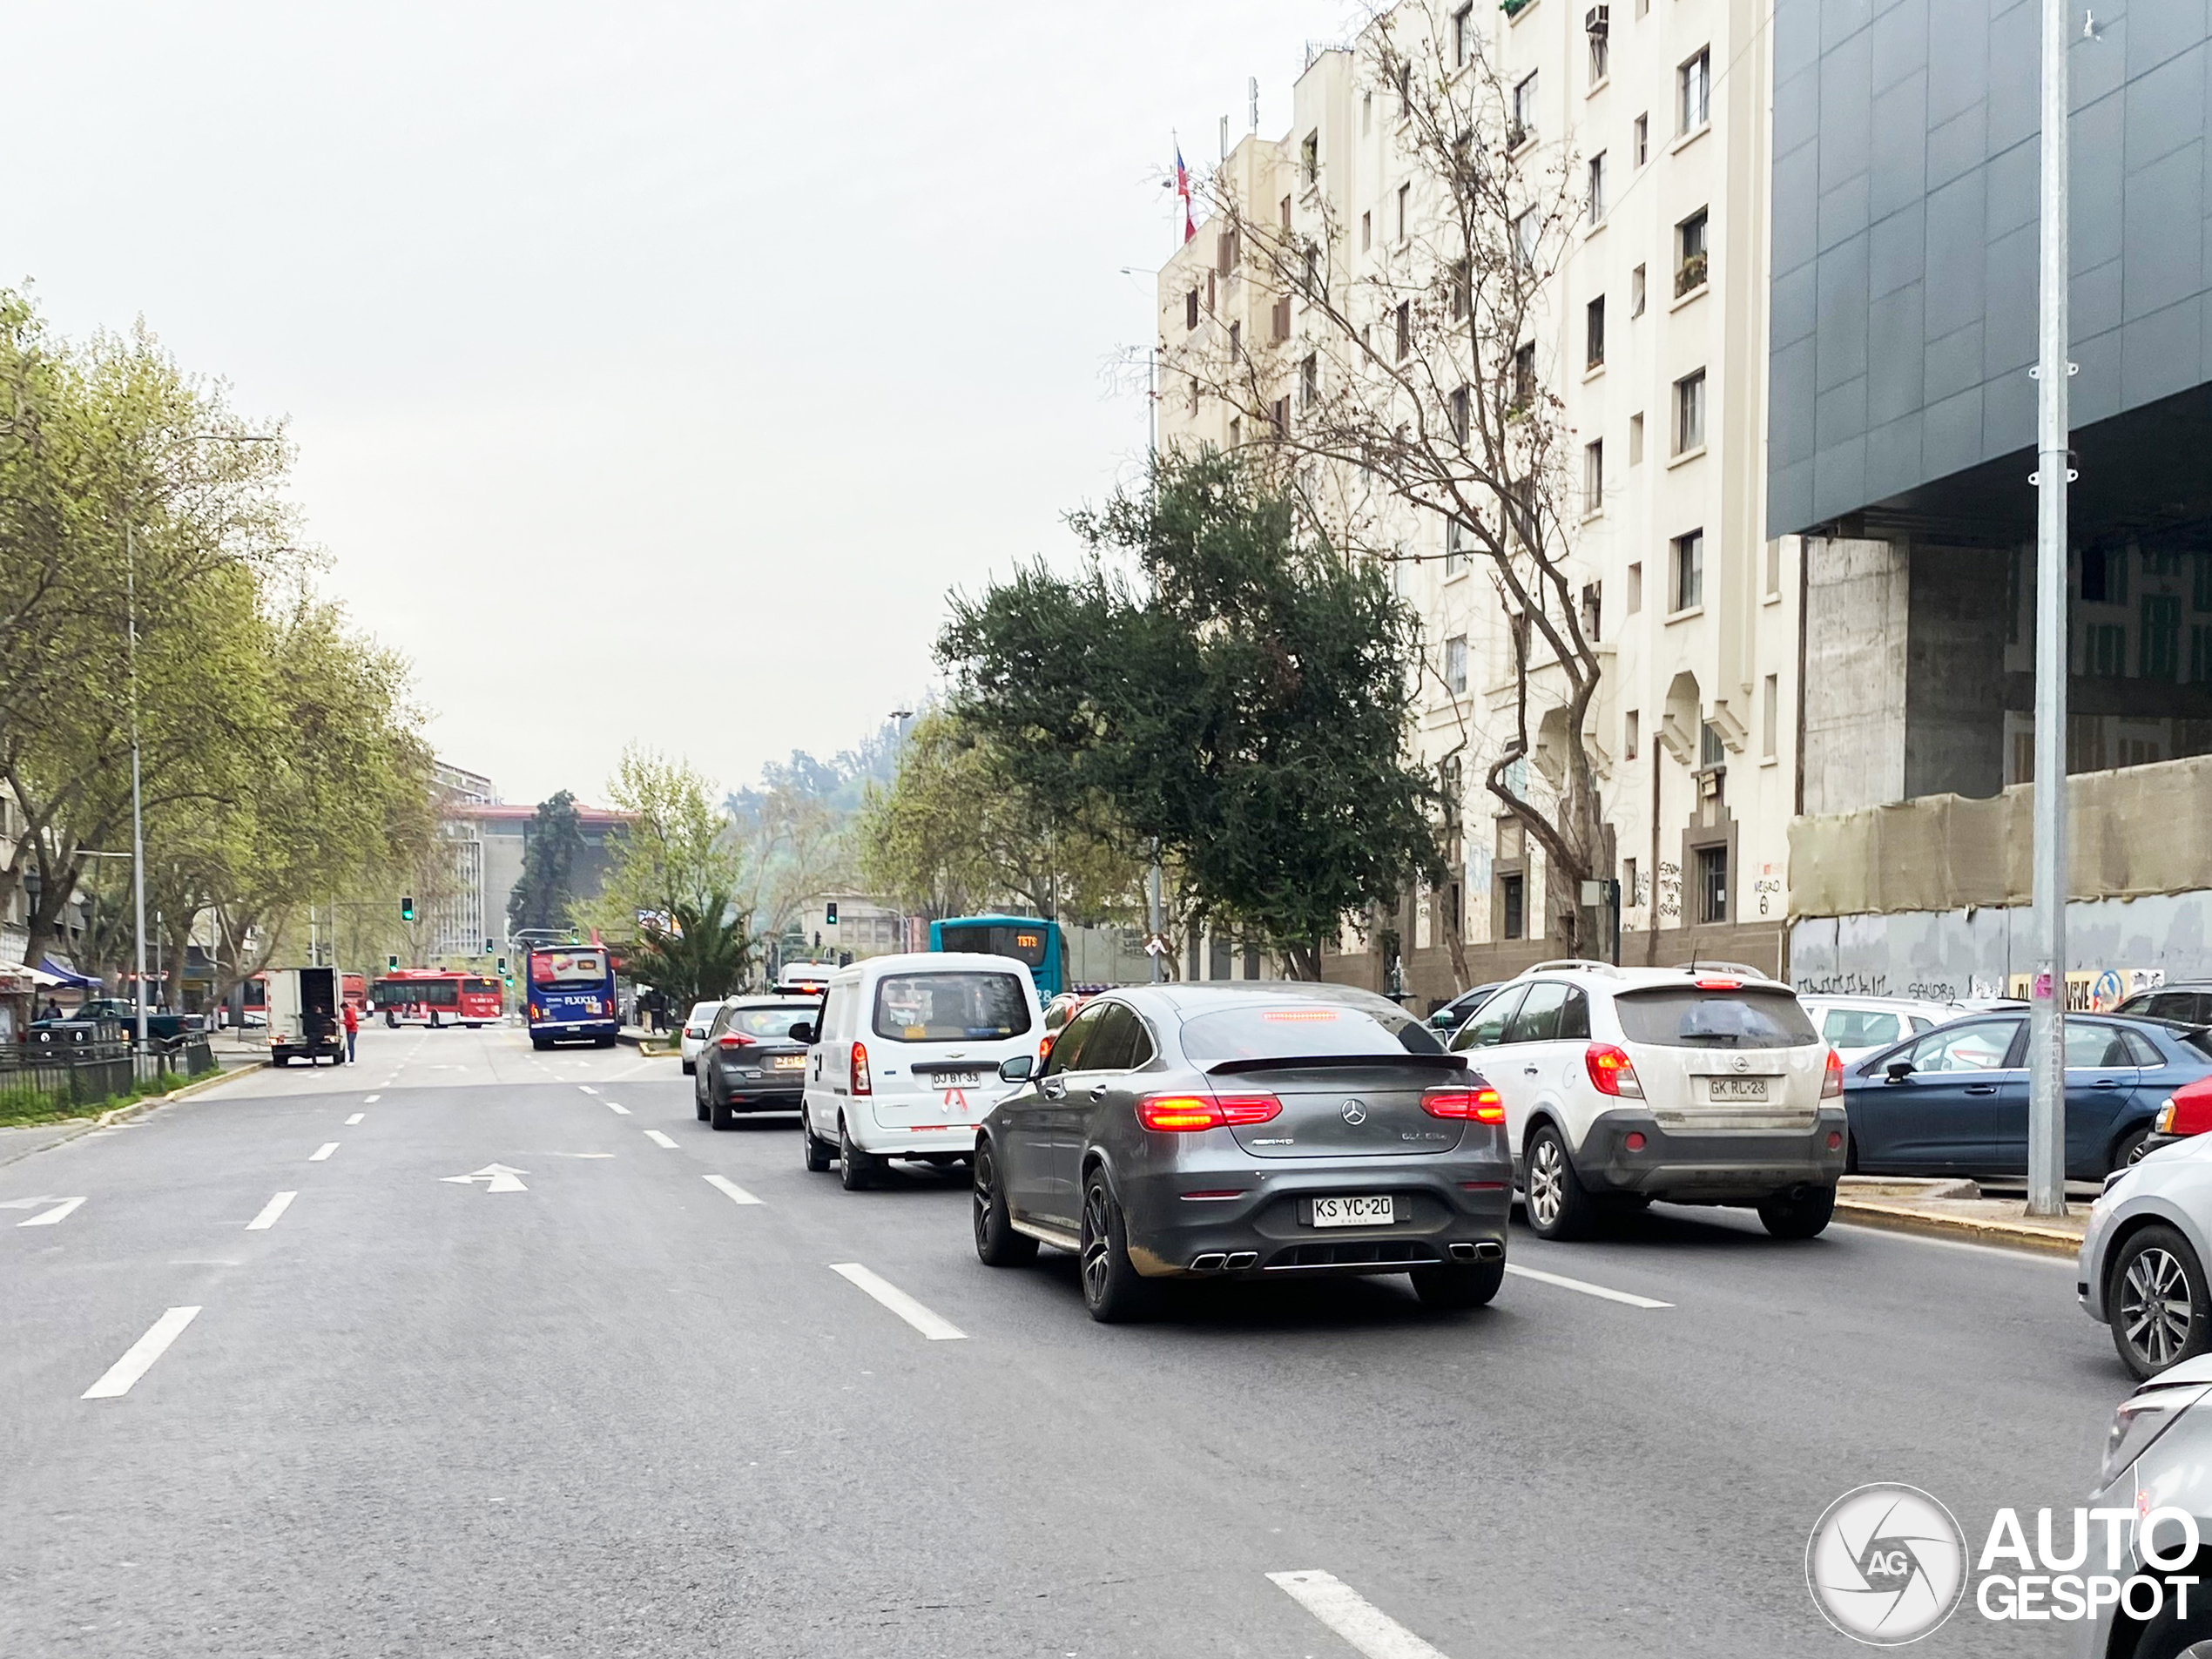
2186 1112
1611 1073
1044 1050
536 1014
1480 1105
734 1040
860 1085
1831 1086
1187 1114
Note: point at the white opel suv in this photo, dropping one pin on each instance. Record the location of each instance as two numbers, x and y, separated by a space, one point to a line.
1696 1085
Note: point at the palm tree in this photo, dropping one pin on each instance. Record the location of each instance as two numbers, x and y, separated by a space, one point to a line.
704 952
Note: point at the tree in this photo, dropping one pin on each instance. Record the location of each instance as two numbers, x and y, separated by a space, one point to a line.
1240 699
797 847
674 847
551 847
703 952
957 833
1420 396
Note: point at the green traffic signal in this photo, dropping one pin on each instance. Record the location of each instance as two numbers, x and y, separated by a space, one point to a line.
407 910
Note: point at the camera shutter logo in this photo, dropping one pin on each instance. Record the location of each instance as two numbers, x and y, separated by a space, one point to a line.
1886 1564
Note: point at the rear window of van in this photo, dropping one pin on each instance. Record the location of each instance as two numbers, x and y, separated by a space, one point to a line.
1688 1018
948 1006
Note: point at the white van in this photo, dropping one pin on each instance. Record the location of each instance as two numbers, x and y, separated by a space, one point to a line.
906 1062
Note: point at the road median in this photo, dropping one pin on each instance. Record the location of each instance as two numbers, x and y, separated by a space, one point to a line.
1958 1209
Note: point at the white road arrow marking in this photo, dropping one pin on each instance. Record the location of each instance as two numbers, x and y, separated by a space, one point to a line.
58 1212
497 1177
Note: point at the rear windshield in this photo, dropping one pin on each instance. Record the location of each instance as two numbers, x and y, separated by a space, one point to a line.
775 1021
1303 1030
1688 1018
1025 944
950 1007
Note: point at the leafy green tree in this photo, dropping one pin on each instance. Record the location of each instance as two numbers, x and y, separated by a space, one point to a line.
674 847
1240 693
551 847
704 952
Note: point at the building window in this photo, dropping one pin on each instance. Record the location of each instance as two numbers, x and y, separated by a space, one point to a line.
1688 586
1463 36
1593 611
1643 140
1366 231
1629 883
1190 309
1711 757
1280 314
1310 159
1635 439
1405 213
1527 232
1366 113
1689 254
1635 589
1236 341
1404 330
1455 409
1599 35
1284 211
1712 883
1312 288
1635 292
1690 413
1462 291
1695 78
1456 664
1510 891
1309 381
1278 416
1524 375
1773 571
1235 430
1455 547
1524 112
1597 188
1630 735
2200 653
2104 649
1771 709
1593 333
1593 476
2159 651
1227 254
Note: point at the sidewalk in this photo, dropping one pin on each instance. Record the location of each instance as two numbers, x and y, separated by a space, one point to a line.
18 1142
1960 1208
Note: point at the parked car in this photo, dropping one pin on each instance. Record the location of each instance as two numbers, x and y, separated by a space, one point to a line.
749 1062
1696 1085
1452 1014
693 1035
2158 1452
2141 1268
164 1028
1954 1101
904 1060
1856 1026
2186 1112
1248 1130
2186 1002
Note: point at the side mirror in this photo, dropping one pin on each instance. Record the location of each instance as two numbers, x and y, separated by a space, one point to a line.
1017 1069
1898 1070
802 1032
1444 1018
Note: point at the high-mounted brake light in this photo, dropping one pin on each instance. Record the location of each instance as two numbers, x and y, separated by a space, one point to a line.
1478 1105
1298 1014
1832 1085
1611 1072
1187 1114
1719 984
734 1040
860 1085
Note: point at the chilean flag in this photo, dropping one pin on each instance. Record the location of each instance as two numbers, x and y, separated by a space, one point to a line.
1183 190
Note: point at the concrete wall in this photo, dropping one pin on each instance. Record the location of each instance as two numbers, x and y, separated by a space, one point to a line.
1857 602
1954 678
1954 954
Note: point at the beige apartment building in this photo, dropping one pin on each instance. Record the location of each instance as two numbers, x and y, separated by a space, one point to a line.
1652 335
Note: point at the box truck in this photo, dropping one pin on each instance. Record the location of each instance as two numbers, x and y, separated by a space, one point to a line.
305 1016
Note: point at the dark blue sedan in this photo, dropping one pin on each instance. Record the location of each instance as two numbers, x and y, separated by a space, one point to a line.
1953 1101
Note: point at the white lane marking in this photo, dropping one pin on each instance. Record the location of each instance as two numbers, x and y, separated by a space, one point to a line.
587 1088
322 1151
660 1139
370 1100
616 1106
47 1218
1585 1286
738 1194
932 1325
270 1211
139 1360
355 1118
1353 1617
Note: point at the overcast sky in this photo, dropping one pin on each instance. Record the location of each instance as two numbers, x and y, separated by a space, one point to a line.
708 345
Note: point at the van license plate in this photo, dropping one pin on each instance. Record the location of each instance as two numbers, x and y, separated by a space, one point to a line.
1375 1211
956 1079
1736 1089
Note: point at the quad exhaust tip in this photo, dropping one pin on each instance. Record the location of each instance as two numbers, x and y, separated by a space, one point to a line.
1210 1263
1239 1260
1487 1250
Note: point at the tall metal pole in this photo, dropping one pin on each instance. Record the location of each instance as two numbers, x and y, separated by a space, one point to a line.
2046 1005
138 816
1152 461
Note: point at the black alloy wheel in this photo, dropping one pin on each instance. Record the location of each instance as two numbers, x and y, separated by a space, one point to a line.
1113 1290
997 1243
2157 1302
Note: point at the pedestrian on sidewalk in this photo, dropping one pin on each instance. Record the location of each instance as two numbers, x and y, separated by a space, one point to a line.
352 1031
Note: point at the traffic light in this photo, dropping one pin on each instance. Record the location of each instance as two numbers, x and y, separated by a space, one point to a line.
502 962
818 938
488 947
829 913
407 910
391 964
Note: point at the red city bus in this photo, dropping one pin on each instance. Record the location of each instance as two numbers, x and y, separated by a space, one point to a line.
438 996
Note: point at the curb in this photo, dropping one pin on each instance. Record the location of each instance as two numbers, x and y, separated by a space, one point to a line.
124 1114
2010 1235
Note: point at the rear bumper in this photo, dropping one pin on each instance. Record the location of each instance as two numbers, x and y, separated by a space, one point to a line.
564 1030
1451 1211
761 1096
1735 1166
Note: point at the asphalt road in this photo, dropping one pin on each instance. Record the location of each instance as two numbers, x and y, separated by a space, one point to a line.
600 1406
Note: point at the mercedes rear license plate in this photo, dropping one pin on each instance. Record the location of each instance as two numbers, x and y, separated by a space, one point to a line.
1736 1089
1374 1211
790 1062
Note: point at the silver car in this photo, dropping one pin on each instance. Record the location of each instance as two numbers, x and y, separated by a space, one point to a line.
2143 1255
1258 1130
2158 1455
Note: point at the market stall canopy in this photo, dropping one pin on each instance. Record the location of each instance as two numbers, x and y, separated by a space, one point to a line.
63 976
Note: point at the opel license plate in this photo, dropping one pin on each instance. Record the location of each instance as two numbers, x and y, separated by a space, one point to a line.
1377 1210
1736 1089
